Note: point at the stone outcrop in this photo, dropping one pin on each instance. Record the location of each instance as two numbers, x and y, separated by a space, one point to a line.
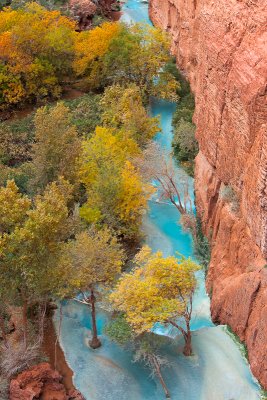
222 50
83 11
40 382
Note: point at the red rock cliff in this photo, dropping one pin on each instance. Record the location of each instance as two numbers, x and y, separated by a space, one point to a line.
222 49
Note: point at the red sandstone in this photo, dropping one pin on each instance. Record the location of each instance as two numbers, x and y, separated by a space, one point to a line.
40 382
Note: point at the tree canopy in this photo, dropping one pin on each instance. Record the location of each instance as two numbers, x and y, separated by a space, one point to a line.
116 194
36 52
159 289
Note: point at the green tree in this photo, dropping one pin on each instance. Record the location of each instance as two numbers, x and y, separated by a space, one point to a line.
146 347
185 145
158 290
85 113
57 146
123 109
138 54
31 251
95 259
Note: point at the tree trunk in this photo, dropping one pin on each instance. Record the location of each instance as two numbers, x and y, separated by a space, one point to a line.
162 382
95 342
187 351
188 344
25 322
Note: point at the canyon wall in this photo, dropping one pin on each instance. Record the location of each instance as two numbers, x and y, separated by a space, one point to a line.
222 49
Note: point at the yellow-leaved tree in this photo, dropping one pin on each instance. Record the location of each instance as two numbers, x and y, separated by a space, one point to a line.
31 246
116 194
57 147
36 53
95 259
123 109
13 207
159 289
116 53
90 48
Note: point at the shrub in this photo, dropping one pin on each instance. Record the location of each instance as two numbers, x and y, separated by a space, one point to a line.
86 113
184 142
228 194
202 246
13 362
185 145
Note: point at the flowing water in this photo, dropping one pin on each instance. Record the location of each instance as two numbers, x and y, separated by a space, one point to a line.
217 371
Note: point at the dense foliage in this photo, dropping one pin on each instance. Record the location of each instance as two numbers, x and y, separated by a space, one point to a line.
184 143
36 53
158 290
40 51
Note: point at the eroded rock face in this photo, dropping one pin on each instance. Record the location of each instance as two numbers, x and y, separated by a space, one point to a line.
40 382
222 49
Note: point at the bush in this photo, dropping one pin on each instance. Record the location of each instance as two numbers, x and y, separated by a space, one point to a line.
184 142
16 360
202 246
119 330
16 139
228 194
86 113
185 110
185 145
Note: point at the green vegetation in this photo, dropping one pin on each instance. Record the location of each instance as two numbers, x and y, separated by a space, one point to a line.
228 194
202 246
85 113
242 347
146 347
184 143
119 330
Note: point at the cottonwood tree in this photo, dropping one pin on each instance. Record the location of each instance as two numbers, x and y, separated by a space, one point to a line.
123 109
95 259
126 54
146 347
138 54
31 246
116 194
57 146
36 53
13 207
158 290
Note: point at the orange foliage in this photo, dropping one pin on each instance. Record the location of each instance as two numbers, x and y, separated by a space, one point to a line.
36 50
93 44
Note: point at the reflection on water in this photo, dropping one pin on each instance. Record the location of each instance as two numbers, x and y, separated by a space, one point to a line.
217 370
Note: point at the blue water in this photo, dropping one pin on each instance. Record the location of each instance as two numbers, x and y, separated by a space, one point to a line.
217 371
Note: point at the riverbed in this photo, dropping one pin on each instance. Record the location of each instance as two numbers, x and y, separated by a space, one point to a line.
216 371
